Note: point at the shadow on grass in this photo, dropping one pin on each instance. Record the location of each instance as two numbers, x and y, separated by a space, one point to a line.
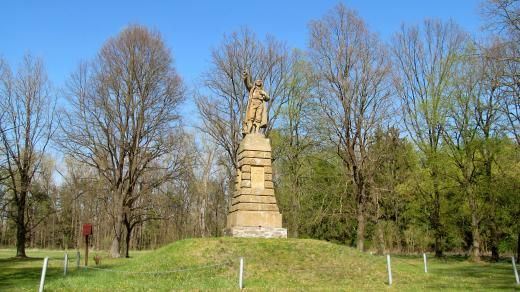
5 261
475 275
16 272
456 272
25 273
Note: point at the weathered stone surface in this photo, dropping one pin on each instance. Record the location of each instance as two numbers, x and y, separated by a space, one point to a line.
254 218
257 177
254 161
238 178
256 142
245 183
256 232
258 192
253 207
254 154
253 211
253 199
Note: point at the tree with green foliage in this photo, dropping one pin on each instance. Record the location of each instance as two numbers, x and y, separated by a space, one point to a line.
426 59
462 140
503 20
294 140
396 160
352 72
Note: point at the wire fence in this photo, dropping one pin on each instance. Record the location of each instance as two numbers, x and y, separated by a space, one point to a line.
188 269
71 266
228 271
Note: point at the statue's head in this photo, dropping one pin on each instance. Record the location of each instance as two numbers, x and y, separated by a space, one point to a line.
259 83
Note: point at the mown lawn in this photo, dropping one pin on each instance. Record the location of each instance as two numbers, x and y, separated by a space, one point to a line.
282 264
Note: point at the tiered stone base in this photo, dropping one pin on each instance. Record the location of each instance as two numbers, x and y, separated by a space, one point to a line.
253 211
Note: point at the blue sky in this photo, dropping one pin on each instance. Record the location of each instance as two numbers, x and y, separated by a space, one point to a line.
67 32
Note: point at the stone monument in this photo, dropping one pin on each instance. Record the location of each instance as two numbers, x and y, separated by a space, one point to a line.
253 211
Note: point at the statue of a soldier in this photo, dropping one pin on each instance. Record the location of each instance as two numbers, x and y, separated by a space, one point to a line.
256 111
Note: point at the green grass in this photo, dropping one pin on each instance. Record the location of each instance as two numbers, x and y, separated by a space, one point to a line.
270 264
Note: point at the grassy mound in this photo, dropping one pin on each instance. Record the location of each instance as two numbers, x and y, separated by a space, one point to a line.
281 264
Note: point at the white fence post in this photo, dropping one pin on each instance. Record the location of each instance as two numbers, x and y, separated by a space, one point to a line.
389 268
425 265
77 259
44 270
241 274
515 271
65 264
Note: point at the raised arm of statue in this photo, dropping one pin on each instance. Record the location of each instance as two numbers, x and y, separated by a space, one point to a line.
247 80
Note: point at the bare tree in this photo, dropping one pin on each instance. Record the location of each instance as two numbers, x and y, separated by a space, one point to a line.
171 166
26 128
223 104
353 69
425 63
206 191
503 16
123 116
510 88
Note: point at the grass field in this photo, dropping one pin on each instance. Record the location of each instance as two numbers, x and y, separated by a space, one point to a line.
283 264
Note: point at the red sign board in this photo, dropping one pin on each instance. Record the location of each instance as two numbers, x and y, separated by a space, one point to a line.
87 229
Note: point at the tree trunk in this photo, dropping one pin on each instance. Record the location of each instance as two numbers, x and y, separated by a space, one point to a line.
360 228
436 216
20 227
381 248
360 236
115 248
491 197
437 229
295 207
293 229
494 242
128 237
475 232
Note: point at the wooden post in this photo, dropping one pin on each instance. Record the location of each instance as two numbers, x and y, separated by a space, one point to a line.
389 269
65 264
425 266
44 270
86 250
87 231
241 274
515 271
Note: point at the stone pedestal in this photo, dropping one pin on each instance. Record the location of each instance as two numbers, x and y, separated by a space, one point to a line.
253 211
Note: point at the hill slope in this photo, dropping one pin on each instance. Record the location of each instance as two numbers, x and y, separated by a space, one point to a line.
214 263
271 264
